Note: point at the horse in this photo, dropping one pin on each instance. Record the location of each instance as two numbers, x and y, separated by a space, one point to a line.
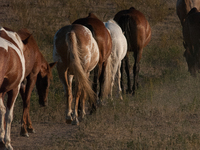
119 50
37 71
77 53
184 6
104 41
191 35
138 34
12 73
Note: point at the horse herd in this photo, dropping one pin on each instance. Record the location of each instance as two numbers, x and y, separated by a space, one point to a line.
87 45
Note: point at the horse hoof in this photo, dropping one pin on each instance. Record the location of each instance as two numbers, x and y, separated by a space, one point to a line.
8 147
128 91
75 122
2 145
24 134
68 121
31 130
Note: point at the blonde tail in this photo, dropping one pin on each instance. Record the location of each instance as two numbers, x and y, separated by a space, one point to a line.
79 73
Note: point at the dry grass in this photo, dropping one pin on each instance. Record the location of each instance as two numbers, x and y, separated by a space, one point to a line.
164 113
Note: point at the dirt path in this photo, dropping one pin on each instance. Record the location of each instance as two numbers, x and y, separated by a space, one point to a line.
45 134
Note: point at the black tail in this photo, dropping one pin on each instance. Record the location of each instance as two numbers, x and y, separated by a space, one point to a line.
129 27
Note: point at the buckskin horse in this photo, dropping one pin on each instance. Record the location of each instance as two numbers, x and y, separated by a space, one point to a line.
119 50
104 41
184 6
38 72
12 72
138 34
77 53
191 35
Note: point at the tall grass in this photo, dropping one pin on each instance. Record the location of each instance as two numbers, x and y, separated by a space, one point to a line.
164 113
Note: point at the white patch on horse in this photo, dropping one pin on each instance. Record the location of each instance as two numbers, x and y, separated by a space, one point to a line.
15 37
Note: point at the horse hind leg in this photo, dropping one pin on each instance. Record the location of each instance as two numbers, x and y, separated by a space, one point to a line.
136 69
25 91
12 95
118 78
127 69
75 114
69 97
67 85
2 118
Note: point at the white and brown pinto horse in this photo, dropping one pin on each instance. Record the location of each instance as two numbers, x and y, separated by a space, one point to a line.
12 72
184 6
119 50
38 72
104 41
77 53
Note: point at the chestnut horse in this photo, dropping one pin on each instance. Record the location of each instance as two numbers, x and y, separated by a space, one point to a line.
104 41
119 50
38 72
138 34
77 53
12 72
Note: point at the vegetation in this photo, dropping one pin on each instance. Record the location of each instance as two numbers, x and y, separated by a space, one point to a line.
164 113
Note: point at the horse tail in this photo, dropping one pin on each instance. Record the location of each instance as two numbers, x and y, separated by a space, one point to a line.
75 59
107 77
129 27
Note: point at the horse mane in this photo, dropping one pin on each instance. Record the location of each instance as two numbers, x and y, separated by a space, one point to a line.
24 33
8 29
112 21
92 15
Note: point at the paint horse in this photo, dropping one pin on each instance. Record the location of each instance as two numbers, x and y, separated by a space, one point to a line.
138 34
119 50
77 53
38 72
104 41
12 73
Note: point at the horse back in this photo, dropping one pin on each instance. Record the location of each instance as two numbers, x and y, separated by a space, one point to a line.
101 34
33 57
136 27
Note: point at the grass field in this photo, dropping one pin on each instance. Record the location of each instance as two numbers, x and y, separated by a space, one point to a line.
164 113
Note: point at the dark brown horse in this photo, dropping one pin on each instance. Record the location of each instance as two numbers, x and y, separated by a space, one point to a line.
38 72
184 6
191 35
104 42
12 72
138 34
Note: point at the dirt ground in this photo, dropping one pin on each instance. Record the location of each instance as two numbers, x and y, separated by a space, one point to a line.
48 132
